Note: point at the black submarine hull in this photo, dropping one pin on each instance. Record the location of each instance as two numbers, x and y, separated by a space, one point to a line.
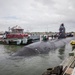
42 47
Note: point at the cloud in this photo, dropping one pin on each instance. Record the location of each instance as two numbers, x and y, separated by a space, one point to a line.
37 15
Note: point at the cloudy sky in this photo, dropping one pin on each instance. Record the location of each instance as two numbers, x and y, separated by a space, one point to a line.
37 15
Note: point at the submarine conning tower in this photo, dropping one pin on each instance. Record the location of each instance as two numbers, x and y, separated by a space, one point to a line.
61 31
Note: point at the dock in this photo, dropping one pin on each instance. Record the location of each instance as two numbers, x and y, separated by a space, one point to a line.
67 67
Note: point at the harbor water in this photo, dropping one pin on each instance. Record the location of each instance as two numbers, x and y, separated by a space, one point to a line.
35 65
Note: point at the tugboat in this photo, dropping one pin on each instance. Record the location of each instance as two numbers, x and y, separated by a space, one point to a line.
16 36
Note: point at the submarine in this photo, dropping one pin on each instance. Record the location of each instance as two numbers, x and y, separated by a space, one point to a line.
44 47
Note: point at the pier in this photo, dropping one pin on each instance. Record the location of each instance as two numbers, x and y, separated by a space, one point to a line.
67 67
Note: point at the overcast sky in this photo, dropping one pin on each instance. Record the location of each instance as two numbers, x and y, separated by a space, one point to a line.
37 15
